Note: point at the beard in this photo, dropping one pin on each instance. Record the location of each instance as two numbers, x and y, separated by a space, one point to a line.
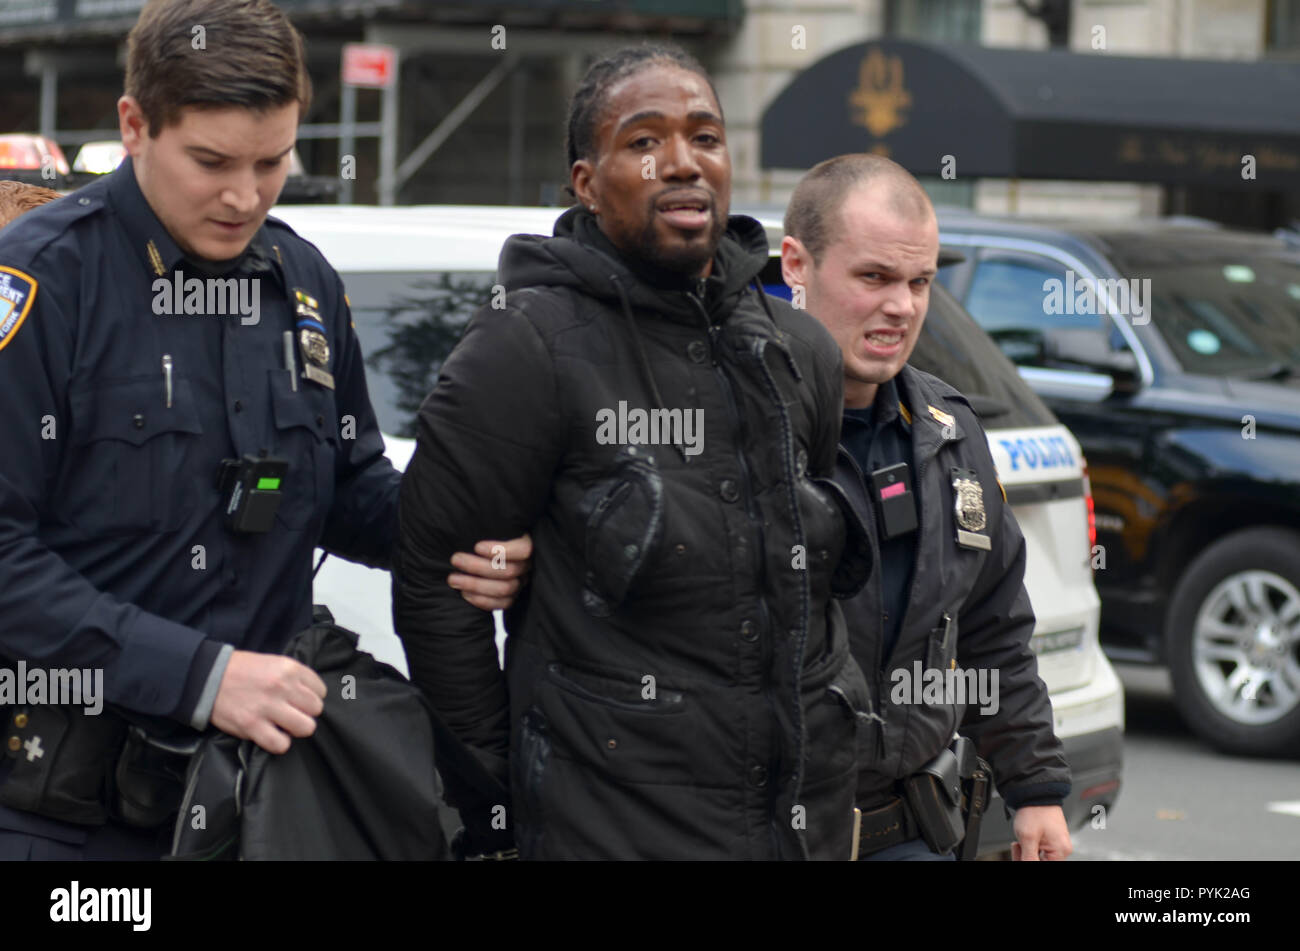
686 259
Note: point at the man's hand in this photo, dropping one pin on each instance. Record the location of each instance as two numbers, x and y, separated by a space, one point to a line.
494 574
1041 833
267 698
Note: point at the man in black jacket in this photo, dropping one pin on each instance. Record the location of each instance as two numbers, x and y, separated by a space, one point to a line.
679 678
948 604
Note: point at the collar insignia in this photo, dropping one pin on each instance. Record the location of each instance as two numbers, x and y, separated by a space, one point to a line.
155 259
946 419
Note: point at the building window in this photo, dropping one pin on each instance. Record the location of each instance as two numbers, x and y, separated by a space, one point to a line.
939 21
945 21
1284 26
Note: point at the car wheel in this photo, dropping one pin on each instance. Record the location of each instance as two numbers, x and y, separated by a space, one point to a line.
1232 637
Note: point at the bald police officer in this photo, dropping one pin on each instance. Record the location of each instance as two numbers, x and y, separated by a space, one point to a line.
862 243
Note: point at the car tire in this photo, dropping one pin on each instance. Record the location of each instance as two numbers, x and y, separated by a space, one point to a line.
1232 638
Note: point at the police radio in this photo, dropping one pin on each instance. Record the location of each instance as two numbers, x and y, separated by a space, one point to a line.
251 492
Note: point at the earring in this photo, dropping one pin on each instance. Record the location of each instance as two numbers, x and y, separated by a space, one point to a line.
592 209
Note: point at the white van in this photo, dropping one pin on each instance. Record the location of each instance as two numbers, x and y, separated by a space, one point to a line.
416 274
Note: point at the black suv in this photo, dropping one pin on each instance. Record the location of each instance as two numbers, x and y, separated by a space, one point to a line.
1171 349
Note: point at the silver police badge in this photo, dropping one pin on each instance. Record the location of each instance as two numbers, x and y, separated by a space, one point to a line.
315 346
969 507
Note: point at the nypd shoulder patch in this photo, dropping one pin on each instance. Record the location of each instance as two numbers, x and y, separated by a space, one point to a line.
17 291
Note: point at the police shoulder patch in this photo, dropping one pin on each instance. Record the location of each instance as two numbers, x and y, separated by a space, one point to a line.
17 291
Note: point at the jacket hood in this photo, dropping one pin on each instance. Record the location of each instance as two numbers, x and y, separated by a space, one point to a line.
579 255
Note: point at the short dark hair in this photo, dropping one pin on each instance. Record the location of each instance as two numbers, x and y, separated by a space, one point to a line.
813 214
18 198
586 108
250 56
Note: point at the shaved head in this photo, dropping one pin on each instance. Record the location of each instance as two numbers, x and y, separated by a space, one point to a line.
815 215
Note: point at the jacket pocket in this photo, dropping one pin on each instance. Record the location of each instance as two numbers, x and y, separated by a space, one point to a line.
836 718
630 728
643 695
305 436
132 451
624 524
941 662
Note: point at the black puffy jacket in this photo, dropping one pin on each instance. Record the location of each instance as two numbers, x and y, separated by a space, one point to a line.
983 592
680 684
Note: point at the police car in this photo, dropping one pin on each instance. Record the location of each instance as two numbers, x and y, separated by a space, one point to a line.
416 274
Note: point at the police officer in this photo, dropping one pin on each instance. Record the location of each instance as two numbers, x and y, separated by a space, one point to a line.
861 247
186 419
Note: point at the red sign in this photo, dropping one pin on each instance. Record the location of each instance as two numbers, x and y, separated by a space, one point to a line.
374 67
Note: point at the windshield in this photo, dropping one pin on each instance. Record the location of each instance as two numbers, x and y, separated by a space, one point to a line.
1230 317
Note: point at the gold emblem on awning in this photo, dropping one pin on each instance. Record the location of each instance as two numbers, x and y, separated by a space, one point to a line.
880 99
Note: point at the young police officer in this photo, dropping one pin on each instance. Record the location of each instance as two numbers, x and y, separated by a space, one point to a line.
186 419
862 242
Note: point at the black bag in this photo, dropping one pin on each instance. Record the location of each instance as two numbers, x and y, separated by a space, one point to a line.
363 786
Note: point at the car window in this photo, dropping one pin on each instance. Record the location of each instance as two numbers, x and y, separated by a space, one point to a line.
1021 300
954 348
407 324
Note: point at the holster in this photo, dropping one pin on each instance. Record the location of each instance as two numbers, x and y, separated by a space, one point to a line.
933 793
74 767
149 778
947 797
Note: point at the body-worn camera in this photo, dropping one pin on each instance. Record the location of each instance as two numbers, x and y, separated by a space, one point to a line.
251 492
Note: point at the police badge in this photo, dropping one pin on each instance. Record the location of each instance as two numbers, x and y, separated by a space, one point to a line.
312 342
968 505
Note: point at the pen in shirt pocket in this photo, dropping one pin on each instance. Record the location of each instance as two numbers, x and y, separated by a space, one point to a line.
167 377
289 363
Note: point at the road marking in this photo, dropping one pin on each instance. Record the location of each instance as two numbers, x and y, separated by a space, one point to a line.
1286 808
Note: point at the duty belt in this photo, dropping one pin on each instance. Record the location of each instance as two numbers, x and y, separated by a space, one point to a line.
890 824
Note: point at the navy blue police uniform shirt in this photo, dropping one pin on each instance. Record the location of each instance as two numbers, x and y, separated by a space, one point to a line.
112 547
877 437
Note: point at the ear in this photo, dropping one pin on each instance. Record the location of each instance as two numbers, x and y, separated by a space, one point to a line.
132 124
796 262
580 177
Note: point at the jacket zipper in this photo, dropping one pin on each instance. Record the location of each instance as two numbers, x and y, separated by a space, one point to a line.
764 613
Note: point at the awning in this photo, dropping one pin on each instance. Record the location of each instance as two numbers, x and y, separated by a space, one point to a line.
1007 113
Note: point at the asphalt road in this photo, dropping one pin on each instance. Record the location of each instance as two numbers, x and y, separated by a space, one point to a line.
1181 799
